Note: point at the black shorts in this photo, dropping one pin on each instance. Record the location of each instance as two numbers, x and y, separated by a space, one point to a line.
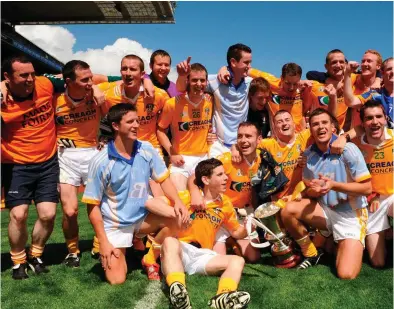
36 182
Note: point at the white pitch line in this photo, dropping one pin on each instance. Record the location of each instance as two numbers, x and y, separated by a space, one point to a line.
151 297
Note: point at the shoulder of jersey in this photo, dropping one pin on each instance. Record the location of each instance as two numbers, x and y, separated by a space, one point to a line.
160 91
225 157
226 201
390 132
43 82
208 97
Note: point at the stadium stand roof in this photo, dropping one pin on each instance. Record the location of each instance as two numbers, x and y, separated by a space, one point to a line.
12 44
87 12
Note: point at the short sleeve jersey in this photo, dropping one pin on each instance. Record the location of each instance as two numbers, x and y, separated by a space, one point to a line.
121 186
231 105
239 187
28 132
382 96
206 223
379 159
189 123
286 156
321 99
147 112
292 104
77 123
347 167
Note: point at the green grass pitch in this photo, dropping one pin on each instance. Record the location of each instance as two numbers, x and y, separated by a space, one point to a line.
269 287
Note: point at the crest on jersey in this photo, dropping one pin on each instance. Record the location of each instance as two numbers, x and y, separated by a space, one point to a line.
279 154
217 211
276 99
298 147
207 110
239 172
149 107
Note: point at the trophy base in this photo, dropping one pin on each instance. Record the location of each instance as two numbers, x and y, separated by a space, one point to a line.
295 260
284 257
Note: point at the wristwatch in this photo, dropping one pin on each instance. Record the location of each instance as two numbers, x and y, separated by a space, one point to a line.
348 139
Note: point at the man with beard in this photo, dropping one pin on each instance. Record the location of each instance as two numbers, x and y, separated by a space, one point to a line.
30 168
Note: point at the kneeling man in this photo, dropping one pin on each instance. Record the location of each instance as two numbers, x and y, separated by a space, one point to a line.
336 189
118 188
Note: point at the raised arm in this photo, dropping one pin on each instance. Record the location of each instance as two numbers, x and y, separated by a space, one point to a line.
183 69
350 99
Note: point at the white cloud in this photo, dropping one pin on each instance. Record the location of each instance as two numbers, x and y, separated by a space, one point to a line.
59 42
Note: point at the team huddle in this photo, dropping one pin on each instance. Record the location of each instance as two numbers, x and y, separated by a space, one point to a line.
171 168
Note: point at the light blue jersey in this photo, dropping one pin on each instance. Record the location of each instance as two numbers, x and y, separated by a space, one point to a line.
348 167
121 186
230 109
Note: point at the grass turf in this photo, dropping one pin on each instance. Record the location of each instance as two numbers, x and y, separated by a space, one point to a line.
269 287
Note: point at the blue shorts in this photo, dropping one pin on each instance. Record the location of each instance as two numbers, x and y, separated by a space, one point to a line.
36 182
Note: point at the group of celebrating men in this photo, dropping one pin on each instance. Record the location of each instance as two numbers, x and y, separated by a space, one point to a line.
117 135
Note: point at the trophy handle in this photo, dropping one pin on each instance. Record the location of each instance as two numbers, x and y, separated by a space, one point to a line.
260 224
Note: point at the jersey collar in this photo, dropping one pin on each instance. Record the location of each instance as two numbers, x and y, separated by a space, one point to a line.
387 136
113 153
156 83
131 100
230 82
321 153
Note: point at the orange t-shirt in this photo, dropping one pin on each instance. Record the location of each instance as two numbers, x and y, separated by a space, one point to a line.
239 187
28 133
320 99
379 161
76 123
292 104
358 89
147 112
206 223
286 156
189 123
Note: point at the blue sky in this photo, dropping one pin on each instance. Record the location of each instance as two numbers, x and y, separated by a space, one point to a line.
277 32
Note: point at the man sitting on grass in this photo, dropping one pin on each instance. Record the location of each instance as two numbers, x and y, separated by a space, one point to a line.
192 251
117 189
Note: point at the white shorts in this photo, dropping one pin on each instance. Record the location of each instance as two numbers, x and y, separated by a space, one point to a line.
379 221
217 148
346 224
222 234
74 163
195 259
123 237
188 168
